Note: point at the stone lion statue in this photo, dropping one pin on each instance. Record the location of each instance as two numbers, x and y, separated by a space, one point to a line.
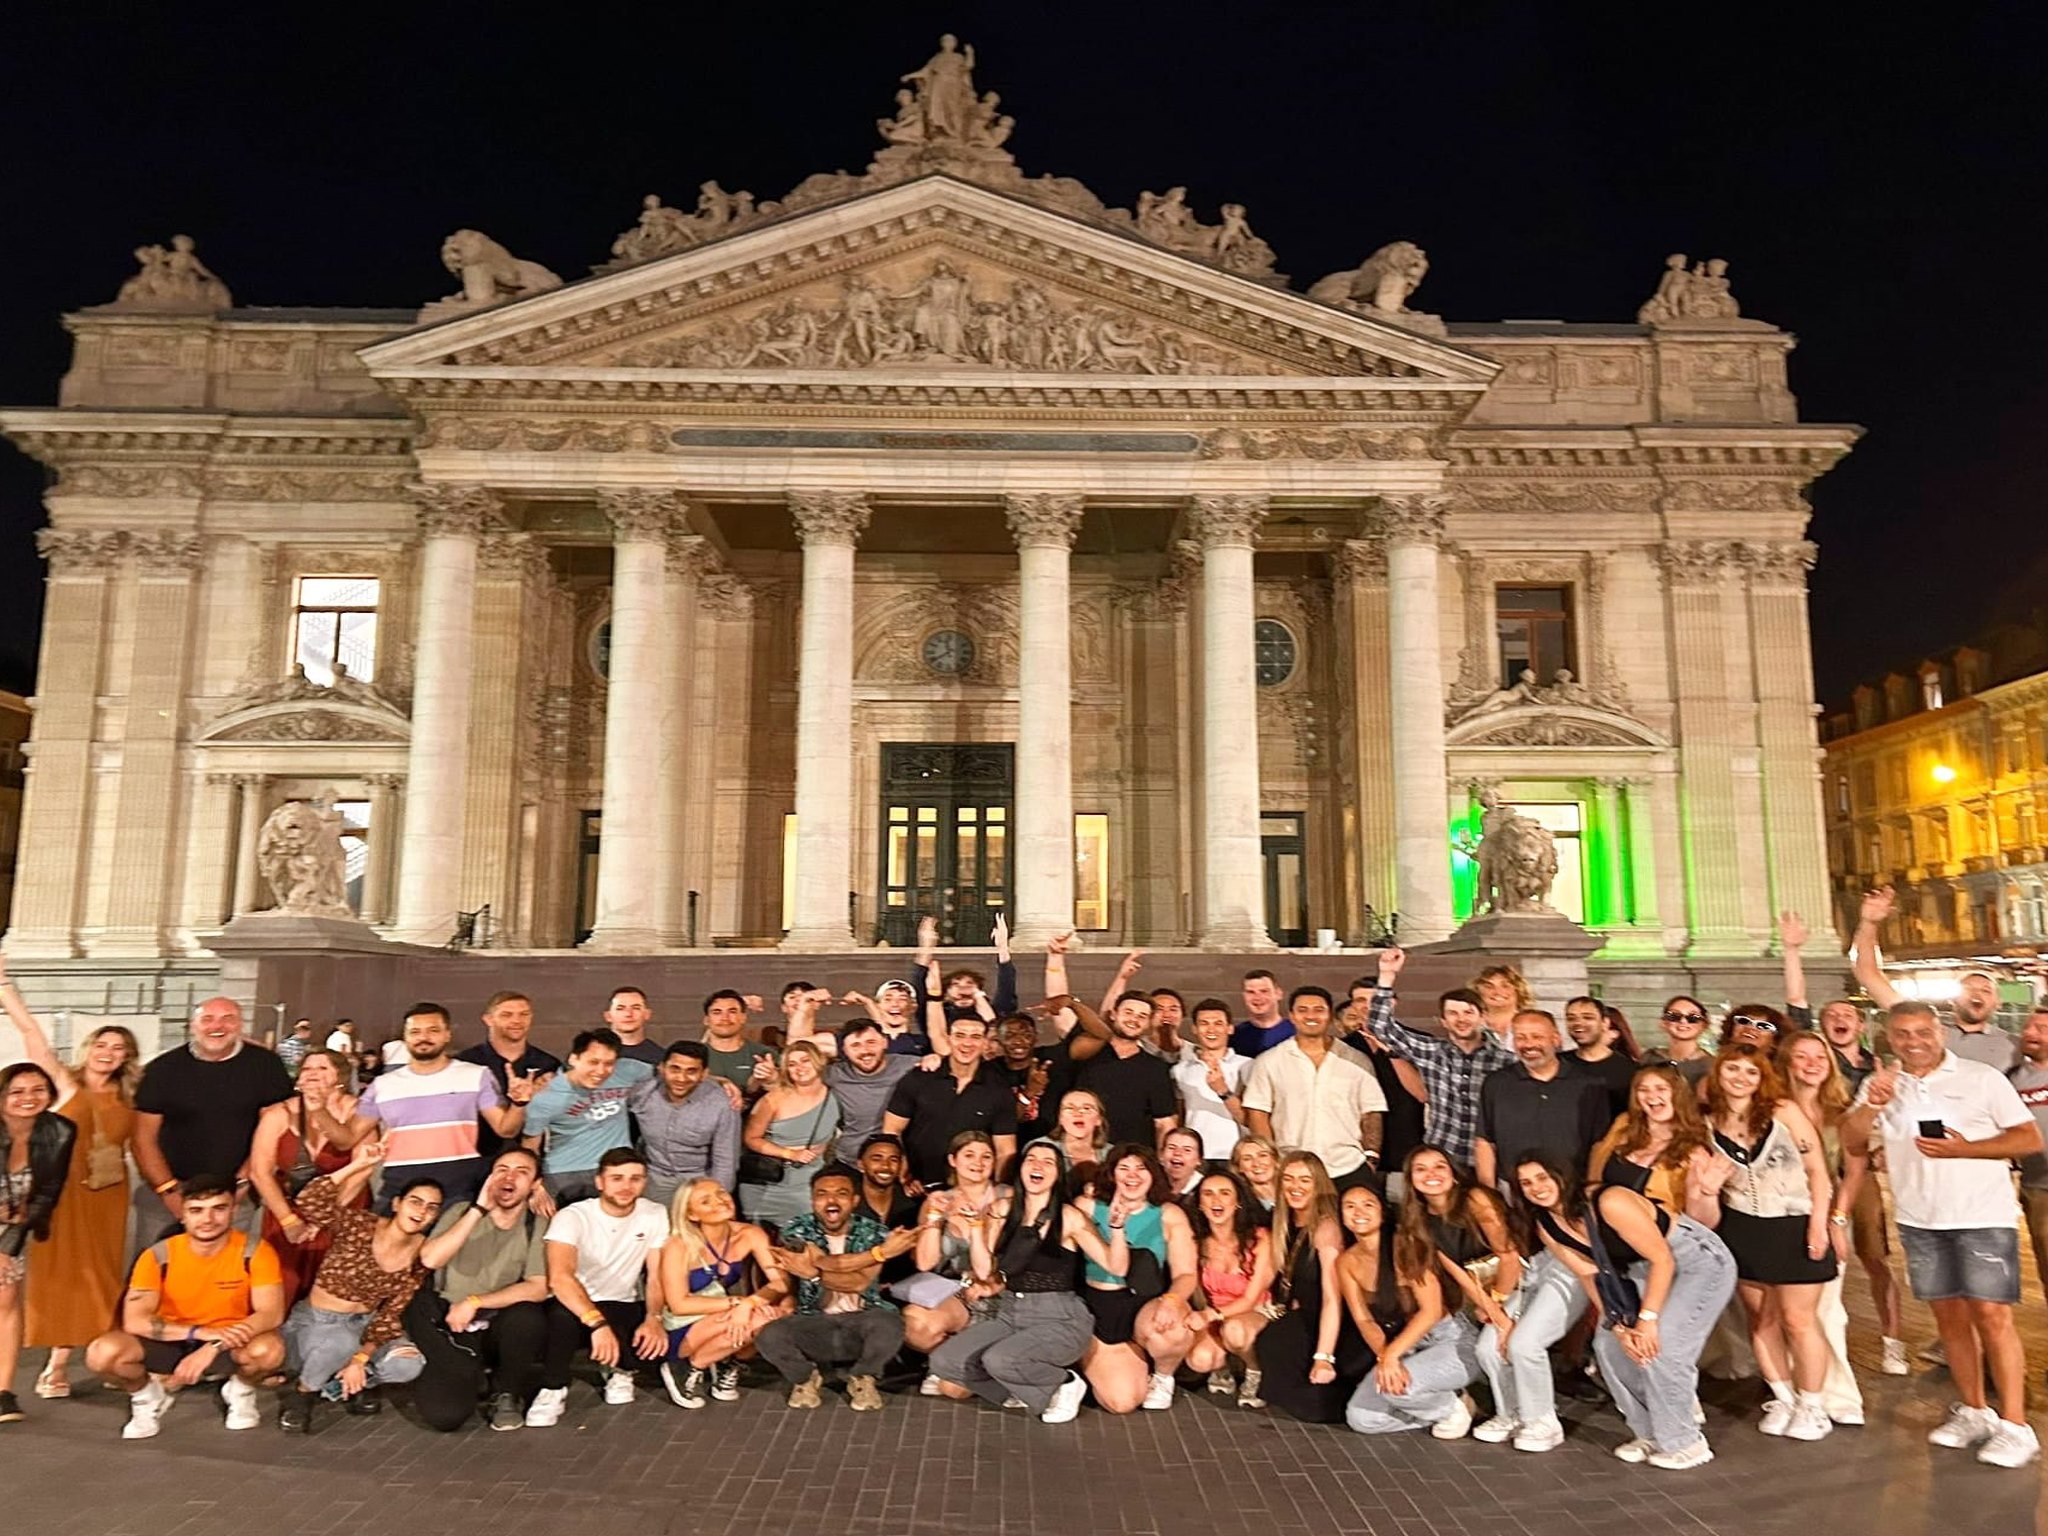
299 851
1517 858
491 273
1384 281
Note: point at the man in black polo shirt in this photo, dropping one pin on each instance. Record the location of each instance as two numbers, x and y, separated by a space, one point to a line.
508 1020
1543 1103
928 1109
196 1110
1111 1062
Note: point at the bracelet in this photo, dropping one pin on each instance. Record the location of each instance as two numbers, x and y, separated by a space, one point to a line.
1838 1219
359 1358
593 1320
164 1188
1646 1316
470 1301
1324 1359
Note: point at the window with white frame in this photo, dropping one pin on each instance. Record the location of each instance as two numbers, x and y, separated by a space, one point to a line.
334 622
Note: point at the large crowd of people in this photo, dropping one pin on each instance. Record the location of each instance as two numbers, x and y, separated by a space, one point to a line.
1305 1205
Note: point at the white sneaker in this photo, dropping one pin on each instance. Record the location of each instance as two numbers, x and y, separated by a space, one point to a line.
1810 1421
1065 1406
1895 1362
1456 1424
618 1387
1158 1392
1497 1430
1540 1435
930 1387
545 1411
241 1400
2011 1445
1777 1417
1964 1427
1698 1454
146 1410
1699 1413
1633 1451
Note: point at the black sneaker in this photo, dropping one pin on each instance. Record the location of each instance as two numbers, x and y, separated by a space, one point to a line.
366 1404
10 1409
685 1386
725 1382
295 1412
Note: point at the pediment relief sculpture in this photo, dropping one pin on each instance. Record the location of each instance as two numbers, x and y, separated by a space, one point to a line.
295 708
1561 713
941 315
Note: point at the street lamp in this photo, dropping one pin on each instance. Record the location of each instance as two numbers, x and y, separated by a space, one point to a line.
1943 774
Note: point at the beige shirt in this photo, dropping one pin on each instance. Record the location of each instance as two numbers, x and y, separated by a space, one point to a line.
1315 1108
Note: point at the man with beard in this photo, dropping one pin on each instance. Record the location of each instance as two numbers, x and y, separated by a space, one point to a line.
861 1077
1544 1103
1452 1067
882 1197
1303 1093
509 1055
348 1335
1110 1061
689 1123
428 1110
1971 1034
1026 1066
481 1324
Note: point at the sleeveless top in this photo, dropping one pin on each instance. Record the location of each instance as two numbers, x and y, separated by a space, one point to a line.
1385 1303
1460 1243
719 1269
1144 1229
1622 1255
1225 1286
1032 1260
1770 1176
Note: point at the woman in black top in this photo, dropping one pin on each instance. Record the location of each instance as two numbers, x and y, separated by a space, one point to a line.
1026 1256
1400 1302
1310 1354
1681 1277
35 1159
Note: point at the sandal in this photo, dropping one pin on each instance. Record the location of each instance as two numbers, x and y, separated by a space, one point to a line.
49 1384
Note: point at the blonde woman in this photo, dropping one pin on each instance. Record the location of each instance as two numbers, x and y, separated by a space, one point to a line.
1082 1130
793 1125
79 1272
704 1266
1258 1160
1311 1355
1503 993
1814 1081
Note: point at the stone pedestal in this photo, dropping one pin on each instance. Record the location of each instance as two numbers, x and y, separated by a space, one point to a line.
253 945
1548 948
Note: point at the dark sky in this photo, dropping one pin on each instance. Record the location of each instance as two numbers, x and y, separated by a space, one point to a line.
1876 179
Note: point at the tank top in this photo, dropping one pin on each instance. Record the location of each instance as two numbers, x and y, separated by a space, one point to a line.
1225 1286
1144 1229
1460 1243
1770 1176
1617 1250
721 1270
1033 1262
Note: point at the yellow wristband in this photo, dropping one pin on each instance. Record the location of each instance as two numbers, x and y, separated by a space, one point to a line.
164 1188
593 1319
470 1301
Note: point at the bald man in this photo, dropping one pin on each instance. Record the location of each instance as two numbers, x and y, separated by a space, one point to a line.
196 1111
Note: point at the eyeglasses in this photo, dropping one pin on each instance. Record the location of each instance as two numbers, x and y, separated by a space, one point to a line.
1736 1021
1678 1016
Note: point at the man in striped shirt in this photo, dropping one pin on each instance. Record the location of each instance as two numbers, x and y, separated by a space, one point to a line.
429 1109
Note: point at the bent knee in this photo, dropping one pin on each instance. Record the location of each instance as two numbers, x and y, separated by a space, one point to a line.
110 1350
264 1352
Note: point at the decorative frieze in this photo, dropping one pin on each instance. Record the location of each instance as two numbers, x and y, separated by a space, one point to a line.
128 480
1371 443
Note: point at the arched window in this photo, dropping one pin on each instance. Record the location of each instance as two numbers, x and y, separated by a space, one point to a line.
1274 652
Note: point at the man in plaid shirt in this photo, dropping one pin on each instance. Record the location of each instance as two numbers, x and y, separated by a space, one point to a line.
1452 1069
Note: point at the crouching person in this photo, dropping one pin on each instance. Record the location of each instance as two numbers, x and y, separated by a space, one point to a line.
347 1338
202 1305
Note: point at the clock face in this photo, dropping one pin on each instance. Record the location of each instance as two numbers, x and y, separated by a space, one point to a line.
949 652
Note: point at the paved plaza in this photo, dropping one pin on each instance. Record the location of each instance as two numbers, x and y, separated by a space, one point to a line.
925 1466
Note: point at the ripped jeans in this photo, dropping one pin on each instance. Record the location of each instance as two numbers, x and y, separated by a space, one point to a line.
318 1343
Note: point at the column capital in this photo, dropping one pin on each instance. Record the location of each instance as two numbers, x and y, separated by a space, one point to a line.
1780 564
1700 562
384 781
640 513
1044 519
516 555
446 510
80 551
1413 519
1361 560
1226 521
252 780
167 552
829 517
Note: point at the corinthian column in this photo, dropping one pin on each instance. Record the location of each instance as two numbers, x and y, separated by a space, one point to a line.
830 523
1044 527
451 520
1422 853
642 520
1233 880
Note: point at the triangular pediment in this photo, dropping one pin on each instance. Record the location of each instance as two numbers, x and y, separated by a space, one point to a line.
932 277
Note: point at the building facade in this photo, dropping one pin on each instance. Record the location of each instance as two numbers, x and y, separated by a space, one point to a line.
1937 785
931 539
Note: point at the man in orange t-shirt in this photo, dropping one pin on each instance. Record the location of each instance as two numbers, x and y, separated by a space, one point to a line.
203 1304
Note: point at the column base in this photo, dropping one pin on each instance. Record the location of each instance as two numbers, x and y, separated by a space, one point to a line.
127 944
818 941
41 944
622 941
1235 938
1036 933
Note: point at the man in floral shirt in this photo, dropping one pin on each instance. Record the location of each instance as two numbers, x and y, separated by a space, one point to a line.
835 1255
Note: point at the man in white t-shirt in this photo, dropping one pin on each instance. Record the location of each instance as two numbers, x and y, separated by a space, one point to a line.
1949 1129
1208 1076
605 1284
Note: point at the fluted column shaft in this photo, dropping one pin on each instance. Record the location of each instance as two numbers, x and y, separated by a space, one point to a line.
642 520
1042 902
1233 881
1422 854
383 834
829 523
452 519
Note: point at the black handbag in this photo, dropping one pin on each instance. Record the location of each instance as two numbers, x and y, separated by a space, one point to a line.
1146 1277
763 1168
1621 1304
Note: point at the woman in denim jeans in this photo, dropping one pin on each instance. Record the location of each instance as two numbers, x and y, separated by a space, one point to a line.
1516 1359
1684 1277
1397 1297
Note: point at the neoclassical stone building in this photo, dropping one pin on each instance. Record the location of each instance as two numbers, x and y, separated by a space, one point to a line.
934 538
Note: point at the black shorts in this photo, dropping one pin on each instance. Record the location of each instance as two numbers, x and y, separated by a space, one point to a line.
1115 1314
160 1357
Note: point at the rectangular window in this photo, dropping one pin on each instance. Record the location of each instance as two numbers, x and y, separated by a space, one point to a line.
334 623
1533 626
1091 871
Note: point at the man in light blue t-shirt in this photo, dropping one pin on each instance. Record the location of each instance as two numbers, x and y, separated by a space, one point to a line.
582 1114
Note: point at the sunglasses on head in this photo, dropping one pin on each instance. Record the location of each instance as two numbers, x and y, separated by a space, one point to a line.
1753 1022
1680 1016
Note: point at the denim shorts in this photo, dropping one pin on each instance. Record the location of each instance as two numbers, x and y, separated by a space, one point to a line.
1966 1263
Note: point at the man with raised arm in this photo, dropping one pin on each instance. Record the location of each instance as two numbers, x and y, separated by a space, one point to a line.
1972 1033
1452 1068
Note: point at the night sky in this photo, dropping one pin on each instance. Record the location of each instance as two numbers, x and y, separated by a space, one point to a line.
1877 180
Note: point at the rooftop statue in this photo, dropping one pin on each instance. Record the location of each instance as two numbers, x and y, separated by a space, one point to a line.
173 279
1688 297
490 275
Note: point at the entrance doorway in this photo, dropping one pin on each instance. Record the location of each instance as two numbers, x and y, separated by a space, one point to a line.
1282 852
946 813
589 839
